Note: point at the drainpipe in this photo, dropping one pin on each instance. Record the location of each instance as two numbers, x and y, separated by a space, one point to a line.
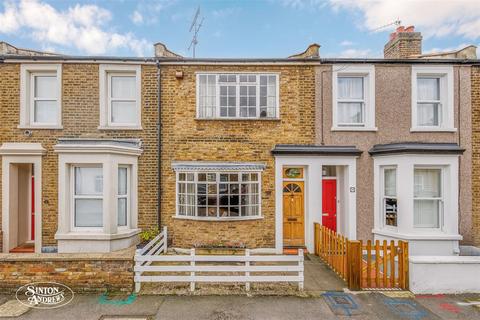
159 148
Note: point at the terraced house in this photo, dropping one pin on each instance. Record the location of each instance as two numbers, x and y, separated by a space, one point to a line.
238 152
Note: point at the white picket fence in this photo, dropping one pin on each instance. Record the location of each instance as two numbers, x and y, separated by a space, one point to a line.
231 266
153 249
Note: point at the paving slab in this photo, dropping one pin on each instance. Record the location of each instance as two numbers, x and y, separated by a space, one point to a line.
395 308
94 307
13 308
244 308
449 306
319 277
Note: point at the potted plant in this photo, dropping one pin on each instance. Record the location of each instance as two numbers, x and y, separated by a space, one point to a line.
146 236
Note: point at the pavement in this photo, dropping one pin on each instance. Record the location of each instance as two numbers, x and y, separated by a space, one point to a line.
329 305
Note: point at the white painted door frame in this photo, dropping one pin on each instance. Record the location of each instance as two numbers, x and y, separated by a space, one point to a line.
313 194
21 153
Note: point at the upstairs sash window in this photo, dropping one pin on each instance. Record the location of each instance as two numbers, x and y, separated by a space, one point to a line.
242 96
351 101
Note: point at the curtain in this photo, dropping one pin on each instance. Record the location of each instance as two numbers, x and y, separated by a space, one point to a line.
45 111
428 89
88 211
427 185
123 87
350 87
390 182
46 87
428 114
350 112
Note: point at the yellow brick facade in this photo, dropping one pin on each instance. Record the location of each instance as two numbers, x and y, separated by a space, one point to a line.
80 119
185 138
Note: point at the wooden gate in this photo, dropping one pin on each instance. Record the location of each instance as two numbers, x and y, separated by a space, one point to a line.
379 265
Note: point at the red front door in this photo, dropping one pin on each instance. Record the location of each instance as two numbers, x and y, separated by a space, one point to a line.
33 210
329 203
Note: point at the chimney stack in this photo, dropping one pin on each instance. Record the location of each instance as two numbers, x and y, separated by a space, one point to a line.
403 44
161 51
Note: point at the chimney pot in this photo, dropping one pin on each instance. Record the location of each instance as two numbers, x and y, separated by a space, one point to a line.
403 43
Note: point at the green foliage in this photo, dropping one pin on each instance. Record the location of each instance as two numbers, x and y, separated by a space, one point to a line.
149 234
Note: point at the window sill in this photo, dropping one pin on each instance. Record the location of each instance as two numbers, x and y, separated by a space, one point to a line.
432 235
30 127
238 119
367 129
420 129
218 219
119 128
95 235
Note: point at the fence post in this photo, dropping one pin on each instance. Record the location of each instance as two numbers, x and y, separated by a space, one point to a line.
354 265
247 273
138 284
192 273
165 239
406 266
300 273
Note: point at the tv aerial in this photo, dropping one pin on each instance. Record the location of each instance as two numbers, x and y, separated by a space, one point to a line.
195 28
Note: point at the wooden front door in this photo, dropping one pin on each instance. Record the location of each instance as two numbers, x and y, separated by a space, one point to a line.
329 203
293 214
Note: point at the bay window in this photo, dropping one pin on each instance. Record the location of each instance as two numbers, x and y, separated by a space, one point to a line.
218 194
353 93
97 194
427 197
432 98
88 196
243 96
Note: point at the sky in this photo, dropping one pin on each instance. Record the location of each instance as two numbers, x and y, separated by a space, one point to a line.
235 29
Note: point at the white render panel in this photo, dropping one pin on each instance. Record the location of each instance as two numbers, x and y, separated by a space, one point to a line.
313 194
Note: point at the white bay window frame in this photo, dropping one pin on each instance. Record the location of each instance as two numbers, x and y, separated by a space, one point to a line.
28 73
125 196
76 197
216 115
106 72
406 164
367 73
439 199
110 157
385 197
446 98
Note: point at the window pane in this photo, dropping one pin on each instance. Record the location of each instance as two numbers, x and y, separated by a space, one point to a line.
428 114
88 213
390 182
426 213
122 181
88 181
123 87
427 183
124 112
428 88
350 88
122 211
45 87
390 207
350 113
45 111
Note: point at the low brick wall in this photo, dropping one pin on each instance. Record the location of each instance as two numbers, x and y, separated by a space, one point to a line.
83 273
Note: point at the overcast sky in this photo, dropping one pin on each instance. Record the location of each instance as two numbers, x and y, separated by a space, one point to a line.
248 28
